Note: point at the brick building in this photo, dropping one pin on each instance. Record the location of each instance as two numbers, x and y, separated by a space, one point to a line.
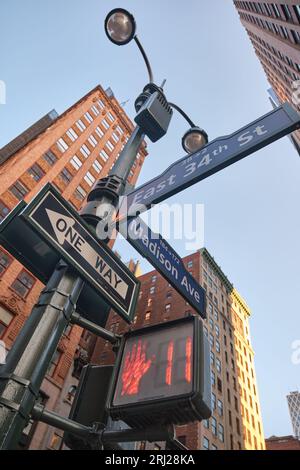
236 421
71 151
282 443
273 27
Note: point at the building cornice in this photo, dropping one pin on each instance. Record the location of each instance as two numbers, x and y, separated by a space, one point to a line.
232 290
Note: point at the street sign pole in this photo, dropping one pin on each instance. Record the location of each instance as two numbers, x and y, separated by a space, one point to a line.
31 354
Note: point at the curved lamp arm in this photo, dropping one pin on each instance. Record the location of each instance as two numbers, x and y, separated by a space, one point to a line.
142 50
182 114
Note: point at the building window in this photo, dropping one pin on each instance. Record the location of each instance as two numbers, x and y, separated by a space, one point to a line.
50 158
221 432
214 426
66 176
230 418
72 134
105 124
95 110
205 443
75 162
213 401
71 393
19 190
109 145
154 279
213 447
5 320
104 155
80 193
297 11
62 145
217 331
88 117
212 358
36 172
93 141
115 137
167 308
147 316
23 284
213 378
296 36
238 428
85 151
120 130
206 423
218 348
55 442
4 210
81 126
211 340
5 261
99 132
54 363
236 404
142 445
190 264
152 290
219 381
97 167
110 117
218 365
89 179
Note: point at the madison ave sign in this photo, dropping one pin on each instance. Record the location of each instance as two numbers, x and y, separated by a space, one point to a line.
62 228
215 156
165 259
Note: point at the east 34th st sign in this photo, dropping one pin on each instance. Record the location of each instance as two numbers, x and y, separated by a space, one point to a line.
215 156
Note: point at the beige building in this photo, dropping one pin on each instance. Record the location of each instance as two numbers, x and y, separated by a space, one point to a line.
236 422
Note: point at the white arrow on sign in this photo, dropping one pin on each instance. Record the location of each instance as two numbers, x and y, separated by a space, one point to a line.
64 230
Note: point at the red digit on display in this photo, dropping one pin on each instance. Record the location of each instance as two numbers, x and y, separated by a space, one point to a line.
188 364
170 363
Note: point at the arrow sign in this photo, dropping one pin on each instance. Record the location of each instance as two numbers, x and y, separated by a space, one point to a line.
215 156
165 259
62 228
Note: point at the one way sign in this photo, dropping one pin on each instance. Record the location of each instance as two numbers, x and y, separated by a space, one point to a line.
62 228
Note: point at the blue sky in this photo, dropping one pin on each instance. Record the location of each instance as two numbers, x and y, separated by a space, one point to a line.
53 52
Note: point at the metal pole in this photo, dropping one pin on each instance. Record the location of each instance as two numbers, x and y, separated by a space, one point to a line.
97 330
39 413
31 354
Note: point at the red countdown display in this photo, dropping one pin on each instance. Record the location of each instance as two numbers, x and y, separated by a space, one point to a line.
162 375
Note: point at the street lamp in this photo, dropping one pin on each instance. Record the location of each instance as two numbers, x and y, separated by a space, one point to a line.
194 139
120 26
153 110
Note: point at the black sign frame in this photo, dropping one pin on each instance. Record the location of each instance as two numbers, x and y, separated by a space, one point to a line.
181 409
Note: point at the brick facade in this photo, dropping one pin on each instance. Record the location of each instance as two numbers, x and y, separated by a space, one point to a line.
41 160
282 443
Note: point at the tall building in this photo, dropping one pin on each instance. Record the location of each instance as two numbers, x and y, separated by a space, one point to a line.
236 422
71 151
273 27
294 406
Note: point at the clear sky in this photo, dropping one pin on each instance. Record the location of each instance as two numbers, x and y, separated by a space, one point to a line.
53 52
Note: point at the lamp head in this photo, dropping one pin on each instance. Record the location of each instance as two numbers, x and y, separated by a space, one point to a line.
120 26
194 139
